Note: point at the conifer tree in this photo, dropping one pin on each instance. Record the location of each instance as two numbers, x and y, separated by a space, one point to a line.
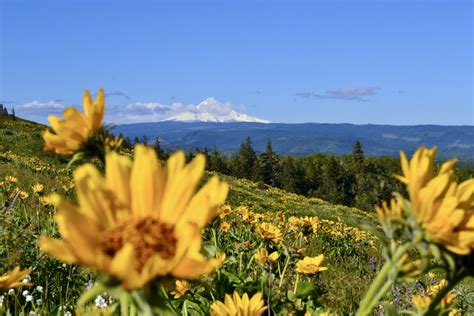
269 166
159 151
144 139
216 162
358 157
244 161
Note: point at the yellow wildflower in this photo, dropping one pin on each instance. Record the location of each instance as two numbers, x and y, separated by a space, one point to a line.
111 142
455 312
235 305
263 257
24 195
225 226
434 289
37 188
2 183
444 208
224 210
310 265
74 130
410 269
220 257
420 302
11 179
269 231
394 211
140 221
181 288
14 279
44 200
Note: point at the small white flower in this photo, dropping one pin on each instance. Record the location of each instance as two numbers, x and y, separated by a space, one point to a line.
68 313
25 293
11 291
1 300
32 313
26 280
39 301
39 288
29 298
100 302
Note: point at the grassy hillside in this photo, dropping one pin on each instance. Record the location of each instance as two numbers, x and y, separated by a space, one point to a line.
308 227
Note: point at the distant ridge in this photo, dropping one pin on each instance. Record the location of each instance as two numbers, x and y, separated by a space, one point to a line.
307 138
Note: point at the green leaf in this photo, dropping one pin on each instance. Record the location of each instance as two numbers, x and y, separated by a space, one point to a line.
232 277
304 289
291 296
389 310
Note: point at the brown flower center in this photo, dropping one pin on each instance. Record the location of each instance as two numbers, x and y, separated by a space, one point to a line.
147 235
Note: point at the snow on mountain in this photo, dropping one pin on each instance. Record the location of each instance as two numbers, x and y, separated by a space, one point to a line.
212 110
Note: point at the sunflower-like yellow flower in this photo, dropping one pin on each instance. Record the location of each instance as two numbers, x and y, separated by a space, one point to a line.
269 231
225 226
421 302
444 208
37 188
11 179
74 130
241 306
13 279
140 221
393 211
181 288
310 265
224 210
263 257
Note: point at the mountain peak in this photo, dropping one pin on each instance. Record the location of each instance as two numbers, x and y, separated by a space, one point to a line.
213 110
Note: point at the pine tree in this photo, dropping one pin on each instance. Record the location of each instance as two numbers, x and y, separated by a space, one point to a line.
244 161
144 140
216 162
159 151
268 166
13 114
136 140
358 157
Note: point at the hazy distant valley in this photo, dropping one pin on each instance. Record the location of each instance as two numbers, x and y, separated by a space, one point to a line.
303 139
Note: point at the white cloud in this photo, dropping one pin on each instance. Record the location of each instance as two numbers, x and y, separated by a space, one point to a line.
53 104
209 109
347 93
39 110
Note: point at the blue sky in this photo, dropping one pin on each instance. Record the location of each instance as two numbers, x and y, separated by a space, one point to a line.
380 62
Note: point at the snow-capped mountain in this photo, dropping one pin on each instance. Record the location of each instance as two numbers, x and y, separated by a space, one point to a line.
212 110
211 117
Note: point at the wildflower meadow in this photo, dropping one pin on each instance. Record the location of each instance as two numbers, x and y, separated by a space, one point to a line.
88 227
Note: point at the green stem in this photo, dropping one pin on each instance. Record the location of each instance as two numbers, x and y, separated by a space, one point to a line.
296 282
284 270
124 302
145 308
458 277
375 290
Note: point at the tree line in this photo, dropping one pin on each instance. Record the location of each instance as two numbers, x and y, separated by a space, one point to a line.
353 180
